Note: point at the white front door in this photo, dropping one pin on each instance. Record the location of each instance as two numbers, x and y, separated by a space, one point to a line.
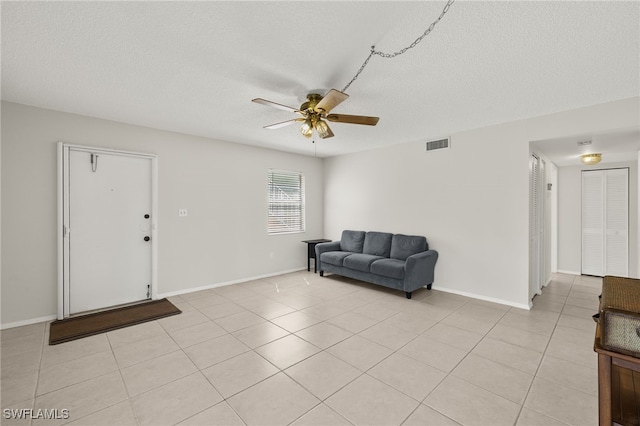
108 220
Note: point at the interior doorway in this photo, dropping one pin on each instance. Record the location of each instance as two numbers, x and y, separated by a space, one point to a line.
108 228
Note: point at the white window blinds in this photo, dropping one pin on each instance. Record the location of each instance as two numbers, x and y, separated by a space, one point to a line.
286 202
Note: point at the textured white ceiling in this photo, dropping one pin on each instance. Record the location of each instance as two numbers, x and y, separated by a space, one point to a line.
193 67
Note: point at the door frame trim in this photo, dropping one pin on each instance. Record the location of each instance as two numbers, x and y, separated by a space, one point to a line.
63 218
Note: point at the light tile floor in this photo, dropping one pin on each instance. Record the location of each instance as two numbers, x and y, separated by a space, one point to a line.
304 350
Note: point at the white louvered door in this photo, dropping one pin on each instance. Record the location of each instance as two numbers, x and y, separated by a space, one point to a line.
593 222
617 222
605 222
534 225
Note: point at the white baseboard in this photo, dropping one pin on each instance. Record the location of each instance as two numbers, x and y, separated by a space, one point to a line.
486 299
242 280
568 272
159 296
226 283
28 322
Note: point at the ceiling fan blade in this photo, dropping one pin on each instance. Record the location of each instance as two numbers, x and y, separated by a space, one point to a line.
353 119
330 101
283 123
274 104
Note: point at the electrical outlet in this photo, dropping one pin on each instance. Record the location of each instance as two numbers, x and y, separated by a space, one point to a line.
182 212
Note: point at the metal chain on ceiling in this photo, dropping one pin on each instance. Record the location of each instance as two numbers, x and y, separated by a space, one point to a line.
400 52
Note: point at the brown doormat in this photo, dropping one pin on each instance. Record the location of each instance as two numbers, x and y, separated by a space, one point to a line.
100 322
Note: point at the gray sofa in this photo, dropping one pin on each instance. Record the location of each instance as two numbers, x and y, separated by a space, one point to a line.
401 262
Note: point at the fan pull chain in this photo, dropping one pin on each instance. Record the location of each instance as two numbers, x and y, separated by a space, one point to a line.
400 52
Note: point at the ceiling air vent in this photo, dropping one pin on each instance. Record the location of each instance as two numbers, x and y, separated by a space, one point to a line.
439 144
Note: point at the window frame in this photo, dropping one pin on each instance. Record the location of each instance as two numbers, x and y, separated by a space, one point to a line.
292 210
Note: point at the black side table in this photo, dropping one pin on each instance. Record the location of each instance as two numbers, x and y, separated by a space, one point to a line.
311 253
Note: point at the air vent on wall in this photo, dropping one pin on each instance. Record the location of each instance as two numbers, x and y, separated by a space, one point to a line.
439 144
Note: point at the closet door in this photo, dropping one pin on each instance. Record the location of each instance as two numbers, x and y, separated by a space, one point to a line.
617 222
605 222
534 225
593 222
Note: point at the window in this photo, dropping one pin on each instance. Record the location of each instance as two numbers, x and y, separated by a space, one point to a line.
286 202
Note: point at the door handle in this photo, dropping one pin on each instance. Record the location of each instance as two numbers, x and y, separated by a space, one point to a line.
147 238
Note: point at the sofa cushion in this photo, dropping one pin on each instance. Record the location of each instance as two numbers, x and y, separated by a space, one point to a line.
352 241
392 268
377 243
334 257
403 246
360 262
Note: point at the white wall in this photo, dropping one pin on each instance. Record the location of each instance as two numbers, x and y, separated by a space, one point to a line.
223 185
570 216
468 201
471 202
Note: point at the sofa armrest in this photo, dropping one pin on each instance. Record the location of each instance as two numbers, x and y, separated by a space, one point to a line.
324 247
419 269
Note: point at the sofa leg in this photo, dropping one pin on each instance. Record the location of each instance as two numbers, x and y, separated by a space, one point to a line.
322 273
428 286
408 294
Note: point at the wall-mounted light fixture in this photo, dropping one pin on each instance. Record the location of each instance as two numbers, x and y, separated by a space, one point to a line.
590 159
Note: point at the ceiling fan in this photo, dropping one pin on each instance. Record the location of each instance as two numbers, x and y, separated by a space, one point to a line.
315 114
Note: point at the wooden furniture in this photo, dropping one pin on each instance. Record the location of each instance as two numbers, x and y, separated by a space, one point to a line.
311 252
618 386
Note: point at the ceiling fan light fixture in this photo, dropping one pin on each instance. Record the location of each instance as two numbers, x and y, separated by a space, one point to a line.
322 128
307 128
591 159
